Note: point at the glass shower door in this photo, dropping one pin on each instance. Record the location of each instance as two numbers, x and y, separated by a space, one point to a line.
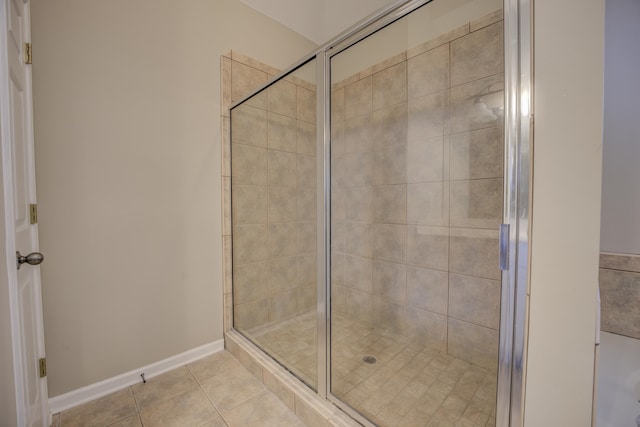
416 178
274 220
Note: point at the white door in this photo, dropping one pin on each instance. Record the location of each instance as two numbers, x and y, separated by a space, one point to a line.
22 234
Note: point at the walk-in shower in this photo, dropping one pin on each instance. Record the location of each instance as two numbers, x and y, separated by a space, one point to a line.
368 189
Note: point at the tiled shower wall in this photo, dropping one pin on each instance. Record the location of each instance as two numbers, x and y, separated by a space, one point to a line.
417 166
274 197
620 294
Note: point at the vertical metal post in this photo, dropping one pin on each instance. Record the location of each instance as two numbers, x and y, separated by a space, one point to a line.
323 188
517 184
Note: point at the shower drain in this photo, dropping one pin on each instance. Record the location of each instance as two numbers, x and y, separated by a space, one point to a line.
369 359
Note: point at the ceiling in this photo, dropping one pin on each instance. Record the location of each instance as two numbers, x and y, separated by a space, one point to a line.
317 20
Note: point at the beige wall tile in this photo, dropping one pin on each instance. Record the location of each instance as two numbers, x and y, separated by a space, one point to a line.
226 146
478 104
359 238
338 204
478 54
306 139
390 281
282 239
428 328
307 269
244 80
474 253
282 274
358 134
425 160
282 98
306 171
620 293
305 410
249 204
390 86
282 168
358 169
274 383
227 249
475 300
358 273
390 125
477 154
428 203
428 115
390 204
249 243
337 105
306 105
428 289
250 315
282 132
228 312
390 165
283 305
225 84
477 203
226 206
359 204
250 282
307 235
390 242
307 298
438 41
486 20
338 236
249 165
337 269
358 98
623 262
429 72
282 204
473 343
306 203
249 126
428 247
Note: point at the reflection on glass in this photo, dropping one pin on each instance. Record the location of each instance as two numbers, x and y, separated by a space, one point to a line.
416 198
274 221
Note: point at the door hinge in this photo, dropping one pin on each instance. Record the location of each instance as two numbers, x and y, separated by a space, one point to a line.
43 367
28 54
33 214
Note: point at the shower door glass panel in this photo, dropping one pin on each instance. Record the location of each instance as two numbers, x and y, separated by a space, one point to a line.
273 197
416 202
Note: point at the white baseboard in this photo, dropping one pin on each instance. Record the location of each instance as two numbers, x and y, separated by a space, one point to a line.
102 388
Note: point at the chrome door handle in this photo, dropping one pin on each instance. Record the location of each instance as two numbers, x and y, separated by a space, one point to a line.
34 258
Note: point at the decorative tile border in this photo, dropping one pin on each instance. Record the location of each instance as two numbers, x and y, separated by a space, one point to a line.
619 281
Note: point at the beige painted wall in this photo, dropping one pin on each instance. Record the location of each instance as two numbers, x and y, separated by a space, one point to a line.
566 211
127 125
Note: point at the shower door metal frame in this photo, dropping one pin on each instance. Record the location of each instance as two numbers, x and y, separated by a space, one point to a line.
518 131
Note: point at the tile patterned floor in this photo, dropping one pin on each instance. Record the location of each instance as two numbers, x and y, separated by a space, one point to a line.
409 385
216 391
